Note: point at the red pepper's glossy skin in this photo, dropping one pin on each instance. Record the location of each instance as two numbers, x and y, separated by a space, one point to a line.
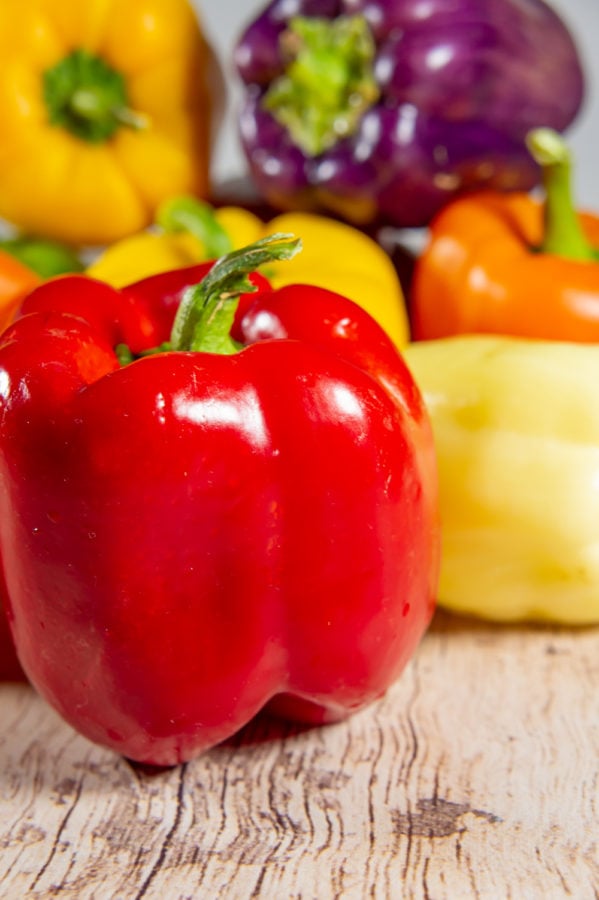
193 536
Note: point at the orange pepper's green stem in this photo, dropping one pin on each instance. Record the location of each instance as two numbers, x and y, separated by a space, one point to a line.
563 234
205 316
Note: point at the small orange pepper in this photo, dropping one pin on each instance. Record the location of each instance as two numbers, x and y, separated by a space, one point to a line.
16 280
512 264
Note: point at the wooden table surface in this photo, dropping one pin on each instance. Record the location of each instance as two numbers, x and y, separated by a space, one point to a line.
476 776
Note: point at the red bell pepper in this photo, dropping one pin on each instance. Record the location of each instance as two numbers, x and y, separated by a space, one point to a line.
244 516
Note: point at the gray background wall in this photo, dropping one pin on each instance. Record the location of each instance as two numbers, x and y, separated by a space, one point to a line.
224 21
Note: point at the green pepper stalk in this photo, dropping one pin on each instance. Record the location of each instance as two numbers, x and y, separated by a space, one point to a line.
89 98
206 313
204 319
197 218
329 82
563 234
45 258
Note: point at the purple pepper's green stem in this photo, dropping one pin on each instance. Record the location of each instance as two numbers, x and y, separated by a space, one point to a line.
206 313
563 234
328 82
197 218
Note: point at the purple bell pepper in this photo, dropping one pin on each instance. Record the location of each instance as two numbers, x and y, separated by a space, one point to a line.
382 110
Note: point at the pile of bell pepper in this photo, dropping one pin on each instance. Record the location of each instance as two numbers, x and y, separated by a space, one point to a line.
229 481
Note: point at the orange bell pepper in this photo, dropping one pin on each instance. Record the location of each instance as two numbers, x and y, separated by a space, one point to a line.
16 280
512 264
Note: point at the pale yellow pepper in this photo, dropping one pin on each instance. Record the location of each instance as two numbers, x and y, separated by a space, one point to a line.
334 255
516 425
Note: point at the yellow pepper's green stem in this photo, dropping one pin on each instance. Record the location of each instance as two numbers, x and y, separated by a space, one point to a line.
563 234
196 217
88 98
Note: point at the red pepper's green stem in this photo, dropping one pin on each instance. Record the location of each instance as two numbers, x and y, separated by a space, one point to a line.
205 316
328 83
563 232
196 217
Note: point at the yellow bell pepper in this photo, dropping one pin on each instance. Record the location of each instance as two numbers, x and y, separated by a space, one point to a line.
106 111
335 255
516 425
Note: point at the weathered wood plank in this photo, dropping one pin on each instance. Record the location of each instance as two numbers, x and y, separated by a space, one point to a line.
476 776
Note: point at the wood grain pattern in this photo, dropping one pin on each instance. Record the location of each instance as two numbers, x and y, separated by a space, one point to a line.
476 776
